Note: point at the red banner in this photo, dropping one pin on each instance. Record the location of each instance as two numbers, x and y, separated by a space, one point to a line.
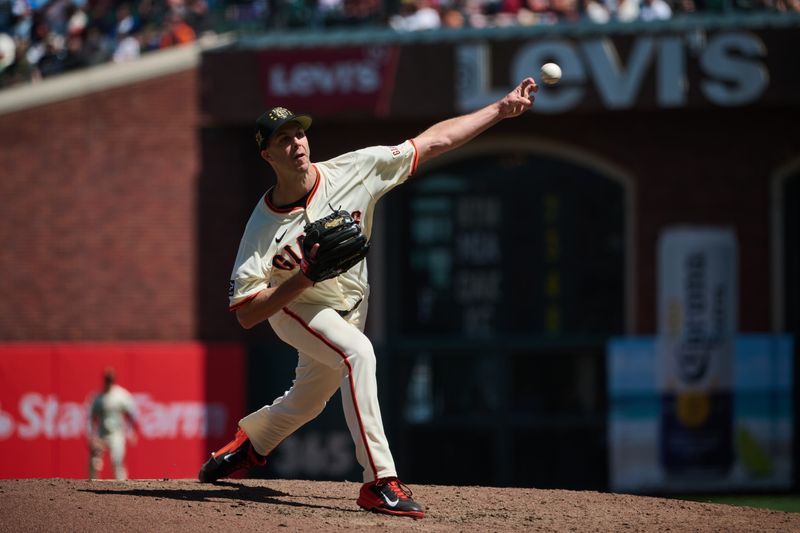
324 81
189 397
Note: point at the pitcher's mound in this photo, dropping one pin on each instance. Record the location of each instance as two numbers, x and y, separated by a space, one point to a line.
177 506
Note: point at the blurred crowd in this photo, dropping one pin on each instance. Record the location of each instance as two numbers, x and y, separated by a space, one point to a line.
430 14
417 15
41 38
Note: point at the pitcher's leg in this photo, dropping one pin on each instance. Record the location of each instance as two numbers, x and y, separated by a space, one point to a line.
313 386
366 427
331 340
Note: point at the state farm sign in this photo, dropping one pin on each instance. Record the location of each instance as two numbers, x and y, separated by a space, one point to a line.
189 398
46 416
327 80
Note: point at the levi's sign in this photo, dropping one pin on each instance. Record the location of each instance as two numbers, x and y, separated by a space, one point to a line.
319 78
731 66
329 80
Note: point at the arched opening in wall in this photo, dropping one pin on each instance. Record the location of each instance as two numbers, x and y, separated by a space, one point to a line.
791 238
786 275
509 274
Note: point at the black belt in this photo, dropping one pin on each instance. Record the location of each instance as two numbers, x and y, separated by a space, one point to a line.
347 312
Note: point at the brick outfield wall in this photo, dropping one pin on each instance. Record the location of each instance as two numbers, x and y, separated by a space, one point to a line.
98 215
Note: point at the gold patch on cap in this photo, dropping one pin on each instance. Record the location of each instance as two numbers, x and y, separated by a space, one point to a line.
259 138
279 113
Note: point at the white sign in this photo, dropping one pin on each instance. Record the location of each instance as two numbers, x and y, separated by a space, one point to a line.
46 416
732 67
697 308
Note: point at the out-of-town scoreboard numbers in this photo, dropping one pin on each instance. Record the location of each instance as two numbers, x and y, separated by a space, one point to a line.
508 244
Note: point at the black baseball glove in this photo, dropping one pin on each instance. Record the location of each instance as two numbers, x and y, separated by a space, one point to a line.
341 246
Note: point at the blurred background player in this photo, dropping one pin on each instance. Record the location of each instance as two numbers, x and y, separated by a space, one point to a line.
110 414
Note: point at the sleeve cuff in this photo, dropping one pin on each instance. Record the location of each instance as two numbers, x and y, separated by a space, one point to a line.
237 305
415 162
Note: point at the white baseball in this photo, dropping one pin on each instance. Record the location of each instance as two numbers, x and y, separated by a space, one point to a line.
551 73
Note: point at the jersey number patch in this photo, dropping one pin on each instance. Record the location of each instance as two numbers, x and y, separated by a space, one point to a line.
289 259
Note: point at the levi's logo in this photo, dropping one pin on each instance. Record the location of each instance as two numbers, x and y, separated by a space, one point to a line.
343 77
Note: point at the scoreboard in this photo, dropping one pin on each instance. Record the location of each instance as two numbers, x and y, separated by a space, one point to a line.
508 244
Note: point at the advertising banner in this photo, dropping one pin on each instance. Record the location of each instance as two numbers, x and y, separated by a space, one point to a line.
697 317
608 69
189 397
761 427
324 81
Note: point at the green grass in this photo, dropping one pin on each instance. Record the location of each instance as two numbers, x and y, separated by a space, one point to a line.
782 502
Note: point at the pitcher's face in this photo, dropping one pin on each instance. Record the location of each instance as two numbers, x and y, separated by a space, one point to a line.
288 149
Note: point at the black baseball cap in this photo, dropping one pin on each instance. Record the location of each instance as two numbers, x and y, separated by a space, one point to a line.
269 122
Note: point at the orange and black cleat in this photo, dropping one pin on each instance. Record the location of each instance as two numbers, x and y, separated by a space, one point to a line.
237 455
389 496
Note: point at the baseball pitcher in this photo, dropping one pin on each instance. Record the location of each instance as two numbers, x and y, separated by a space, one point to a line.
301 266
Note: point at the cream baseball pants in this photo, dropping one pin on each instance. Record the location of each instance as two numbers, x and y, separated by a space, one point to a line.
333 353
115 444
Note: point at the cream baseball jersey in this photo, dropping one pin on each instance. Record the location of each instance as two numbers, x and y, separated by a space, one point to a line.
270 252
110 409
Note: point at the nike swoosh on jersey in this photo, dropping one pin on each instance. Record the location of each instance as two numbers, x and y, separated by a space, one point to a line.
278 239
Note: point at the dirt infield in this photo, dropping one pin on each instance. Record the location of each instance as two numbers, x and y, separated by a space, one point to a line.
281 505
